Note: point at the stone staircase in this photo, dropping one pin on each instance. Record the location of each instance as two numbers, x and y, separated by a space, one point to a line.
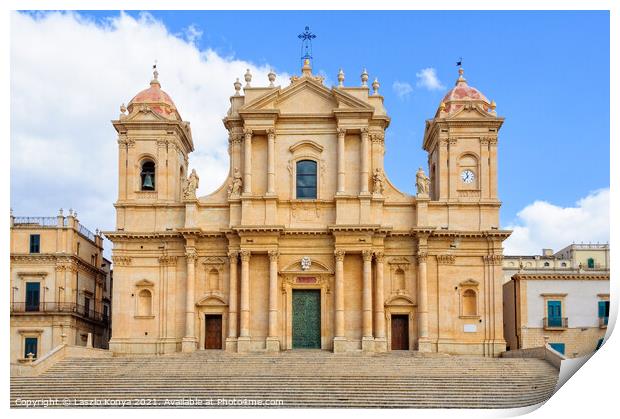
303 378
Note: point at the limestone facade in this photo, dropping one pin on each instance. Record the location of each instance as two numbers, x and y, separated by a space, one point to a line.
60 285
307 206
570 311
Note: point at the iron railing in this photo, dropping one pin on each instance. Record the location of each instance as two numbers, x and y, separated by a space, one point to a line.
77 309
86 232
555 322
36 221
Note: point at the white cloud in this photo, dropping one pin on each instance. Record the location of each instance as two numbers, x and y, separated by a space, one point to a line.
402 89
544 225
70 75
427 78
193 33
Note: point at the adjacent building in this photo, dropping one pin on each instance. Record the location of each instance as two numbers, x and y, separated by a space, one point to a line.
561 298
307 244
60 285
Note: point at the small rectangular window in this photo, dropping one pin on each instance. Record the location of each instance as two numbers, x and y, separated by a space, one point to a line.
603 312
35 243
560 347
30 347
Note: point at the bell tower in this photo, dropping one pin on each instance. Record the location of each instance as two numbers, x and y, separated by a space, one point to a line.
154 144
461 141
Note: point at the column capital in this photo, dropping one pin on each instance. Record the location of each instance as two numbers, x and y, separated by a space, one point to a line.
233 256
367 255
247 132
273 255
271 133
190 254
421 257
245 255
339 255
379 256
342 132
364 131
235 138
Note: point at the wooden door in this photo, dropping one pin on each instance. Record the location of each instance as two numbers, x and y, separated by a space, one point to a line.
400 332
213 331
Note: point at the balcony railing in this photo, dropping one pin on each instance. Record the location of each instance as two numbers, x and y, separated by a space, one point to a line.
77 309
36 221
602 321
86 232
555 322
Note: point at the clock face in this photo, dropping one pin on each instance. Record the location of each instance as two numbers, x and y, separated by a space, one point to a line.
467 176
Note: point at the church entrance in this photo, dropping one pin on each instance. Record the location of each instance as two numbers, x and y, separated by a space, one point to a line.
307 319
213 331
400 332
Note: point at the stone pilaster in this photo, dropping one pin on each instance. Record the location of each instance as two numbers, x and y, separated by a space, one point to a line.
364 162
247 162
341 160
423 340
380 340
273 342
367 337
339 338
271 161
243 342
189 341
231 340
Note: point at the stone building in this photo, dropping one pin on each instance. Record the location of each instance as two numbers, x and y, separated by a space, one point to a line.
57 285
307 244
574 258
561 297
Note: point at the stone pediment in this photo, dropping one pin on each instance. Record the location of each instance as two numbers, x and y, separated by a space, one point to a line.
316 268
399 300
305 96
144 113
470 110
212 299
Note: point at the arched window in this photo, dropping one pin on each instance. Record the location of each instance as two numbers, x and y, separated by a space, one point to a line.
469 303
144 303
147 176
546 263
306 179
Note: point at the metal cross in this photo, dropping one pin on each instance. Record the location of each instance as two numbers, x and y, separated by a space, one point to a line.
306 44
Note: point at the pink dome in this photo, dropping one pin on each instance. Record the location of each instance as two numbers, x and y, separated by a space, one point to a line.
460 93
156 99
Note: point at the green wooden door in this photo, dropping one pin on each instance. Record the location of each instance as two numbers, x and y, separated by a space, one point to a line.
307 319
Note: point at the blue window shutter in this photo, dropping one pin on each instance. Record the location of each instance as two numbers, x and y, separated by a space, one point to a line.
560 347
601 308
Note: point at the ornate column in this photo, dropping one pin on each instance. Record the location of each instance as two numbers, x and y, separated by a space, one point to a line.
367 339
493 168
243 342
380 340
339 338
452 168
271 161
364 166
341 159
231 341
273 342
189 341
247 161
423 341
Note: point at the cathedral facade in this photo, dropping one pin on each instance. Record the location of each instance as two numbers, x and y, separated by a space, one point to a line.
307 244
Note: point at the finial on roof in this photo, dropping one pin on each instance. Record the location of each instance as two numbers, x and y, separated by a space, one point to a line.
247 77
60 212
237 85
442 107
364 78
461 80
493 106
123 108
306 70
375 87
155 74
272 77
340 78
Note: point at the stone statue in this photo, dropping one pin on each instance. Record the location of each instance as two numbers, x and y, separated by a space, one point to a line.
422 182
234 189
191 184
378 182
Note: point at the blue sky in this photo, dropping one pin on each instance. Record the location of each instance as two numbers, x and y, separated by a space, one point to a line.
548 72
